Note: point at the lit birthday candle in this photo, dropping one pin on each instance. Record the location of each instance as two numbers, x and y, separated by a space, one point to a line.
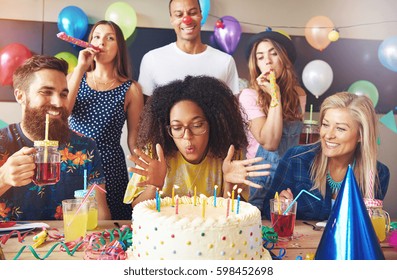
204 202
215 187
228 204
160 193
195 196
238 200
157 199
173 195
176 204
234 188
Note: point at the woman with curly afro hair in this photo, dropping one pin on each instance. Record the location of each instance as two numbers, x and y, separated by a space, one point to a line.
191 134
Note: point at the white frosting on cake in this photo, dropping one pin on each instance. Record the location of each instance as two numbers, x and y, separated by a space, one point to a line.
188 235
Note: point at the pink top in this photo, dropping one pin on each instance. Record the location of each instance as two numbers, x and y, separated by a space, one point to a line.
249 102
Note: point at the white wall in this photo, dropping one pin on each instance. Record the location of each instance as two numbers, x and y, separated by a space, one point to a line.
358 19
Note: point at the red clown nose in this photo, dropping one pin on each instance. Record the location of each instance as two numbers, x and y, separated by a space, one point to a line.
187 20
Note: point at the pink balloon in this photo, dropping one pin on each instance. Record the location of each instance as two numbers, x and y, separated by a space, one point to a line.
11 57
228 36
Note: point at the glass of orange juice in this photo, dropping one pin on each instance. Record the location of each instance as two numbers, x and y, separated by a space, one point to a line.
75 224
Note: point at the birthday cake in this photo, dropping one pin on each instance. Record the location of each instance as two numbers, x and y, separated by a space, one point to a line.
187 231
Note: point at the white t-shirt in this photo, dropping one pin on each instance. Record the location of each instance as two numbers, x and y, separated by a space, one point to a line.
163 65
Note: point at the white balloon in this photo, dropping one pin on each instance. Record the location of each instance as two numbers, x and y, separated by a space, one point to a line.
317 77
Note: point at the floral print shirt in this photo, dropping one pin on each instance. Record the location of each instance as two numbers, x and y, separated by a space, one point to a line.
33 202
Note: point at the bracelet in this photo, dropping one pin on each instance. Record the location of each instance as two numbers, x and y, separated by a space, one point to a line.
274 102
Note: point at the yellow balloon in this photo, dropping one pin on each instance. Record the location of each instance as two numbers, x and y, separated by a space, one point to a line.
333 36
124 16
71 59
317 30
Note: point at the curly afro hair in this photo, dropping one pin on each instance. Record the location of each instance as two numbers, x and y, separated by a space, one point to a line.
221 108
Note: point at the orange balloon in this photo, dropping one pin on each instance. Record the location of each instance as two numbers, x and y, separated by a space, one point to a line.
317 30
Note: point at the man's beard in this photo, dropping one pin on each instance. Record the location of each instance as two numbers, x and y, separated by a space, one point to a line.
34 124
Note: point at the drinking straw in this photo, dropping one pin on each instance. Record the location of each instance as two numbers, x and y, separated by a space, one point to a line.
278 202
85 199
47 121
85 179
292 203
311 112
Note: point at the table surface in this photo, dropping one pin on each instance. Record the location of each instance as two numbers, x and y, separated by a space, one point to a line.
305 242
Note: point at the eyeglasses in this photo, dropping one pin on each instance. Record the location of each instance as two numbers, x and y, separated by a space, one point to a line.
178 131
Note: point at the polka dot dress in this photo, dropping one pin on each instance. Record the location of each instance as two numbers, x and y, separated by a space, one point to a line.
100 115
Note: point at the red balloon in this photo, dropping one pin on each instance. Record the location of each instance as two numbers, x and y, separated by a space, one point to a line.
11 57
187 20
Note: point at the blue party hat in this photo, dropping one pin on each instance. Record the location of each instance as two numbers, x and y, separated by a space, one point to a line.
349 234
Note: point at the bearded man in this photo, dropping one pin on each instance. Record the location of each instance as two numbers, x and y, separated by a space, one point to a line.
40 87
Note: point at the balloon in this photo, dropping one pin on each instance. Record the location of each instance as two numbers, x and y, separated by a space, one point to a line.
317 30
333 36
205 6
228 37
71 59
387 53
317 77
362 87
11 57
73 21
124 16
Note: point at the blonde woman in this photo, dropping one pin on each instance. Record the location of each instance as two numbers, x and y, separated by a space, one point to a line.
347 137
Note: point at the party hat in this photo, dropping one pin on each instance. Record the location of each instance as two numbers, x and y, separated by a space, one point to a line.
349 234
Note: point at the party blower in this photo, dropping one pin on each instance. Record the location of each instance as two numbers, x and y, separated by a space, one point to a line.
75 41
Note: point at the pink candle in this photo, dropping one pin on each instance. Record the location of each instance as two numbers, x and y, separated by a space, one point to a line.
75 41
176 204
228 205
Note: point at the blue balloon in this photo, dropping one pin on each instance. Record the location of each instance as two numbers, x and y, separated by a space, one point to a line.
387 53
73 21
205 6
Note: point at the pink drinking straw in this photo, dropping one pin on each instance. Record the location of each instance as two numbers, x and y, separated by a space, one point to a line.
75 41
371 186
85 199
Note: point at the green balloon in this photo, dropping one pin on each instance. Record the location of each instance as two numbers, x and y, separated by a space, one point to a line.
363 87
70 58
124 16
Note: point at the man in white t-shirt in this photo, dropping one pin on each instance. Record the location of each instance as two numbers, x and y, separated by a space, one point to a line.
188 55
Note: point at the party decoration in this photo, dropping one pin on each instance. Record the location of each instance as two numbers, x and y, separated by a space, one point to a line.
317 77
389 121
11 57
3 124
387 53
363 87
349 234
333 36
228 37
75 41
73 21
124 16
205 6
71 59
317 30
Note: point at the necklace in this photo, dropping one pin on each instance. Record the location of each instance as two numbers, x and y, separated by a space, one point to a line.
105 84
335 186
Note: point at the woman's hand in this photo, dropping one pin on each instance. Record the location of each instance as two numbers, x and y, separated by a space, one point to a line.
237 171
154 170
86 57
286 194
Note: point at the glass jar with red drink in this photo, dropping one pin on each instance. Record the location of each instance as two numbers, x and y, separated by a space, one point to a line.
310 132
47 160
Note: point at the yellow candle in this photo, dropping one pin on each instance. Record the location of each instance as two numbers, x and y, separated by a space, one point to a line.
173 195
234 188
